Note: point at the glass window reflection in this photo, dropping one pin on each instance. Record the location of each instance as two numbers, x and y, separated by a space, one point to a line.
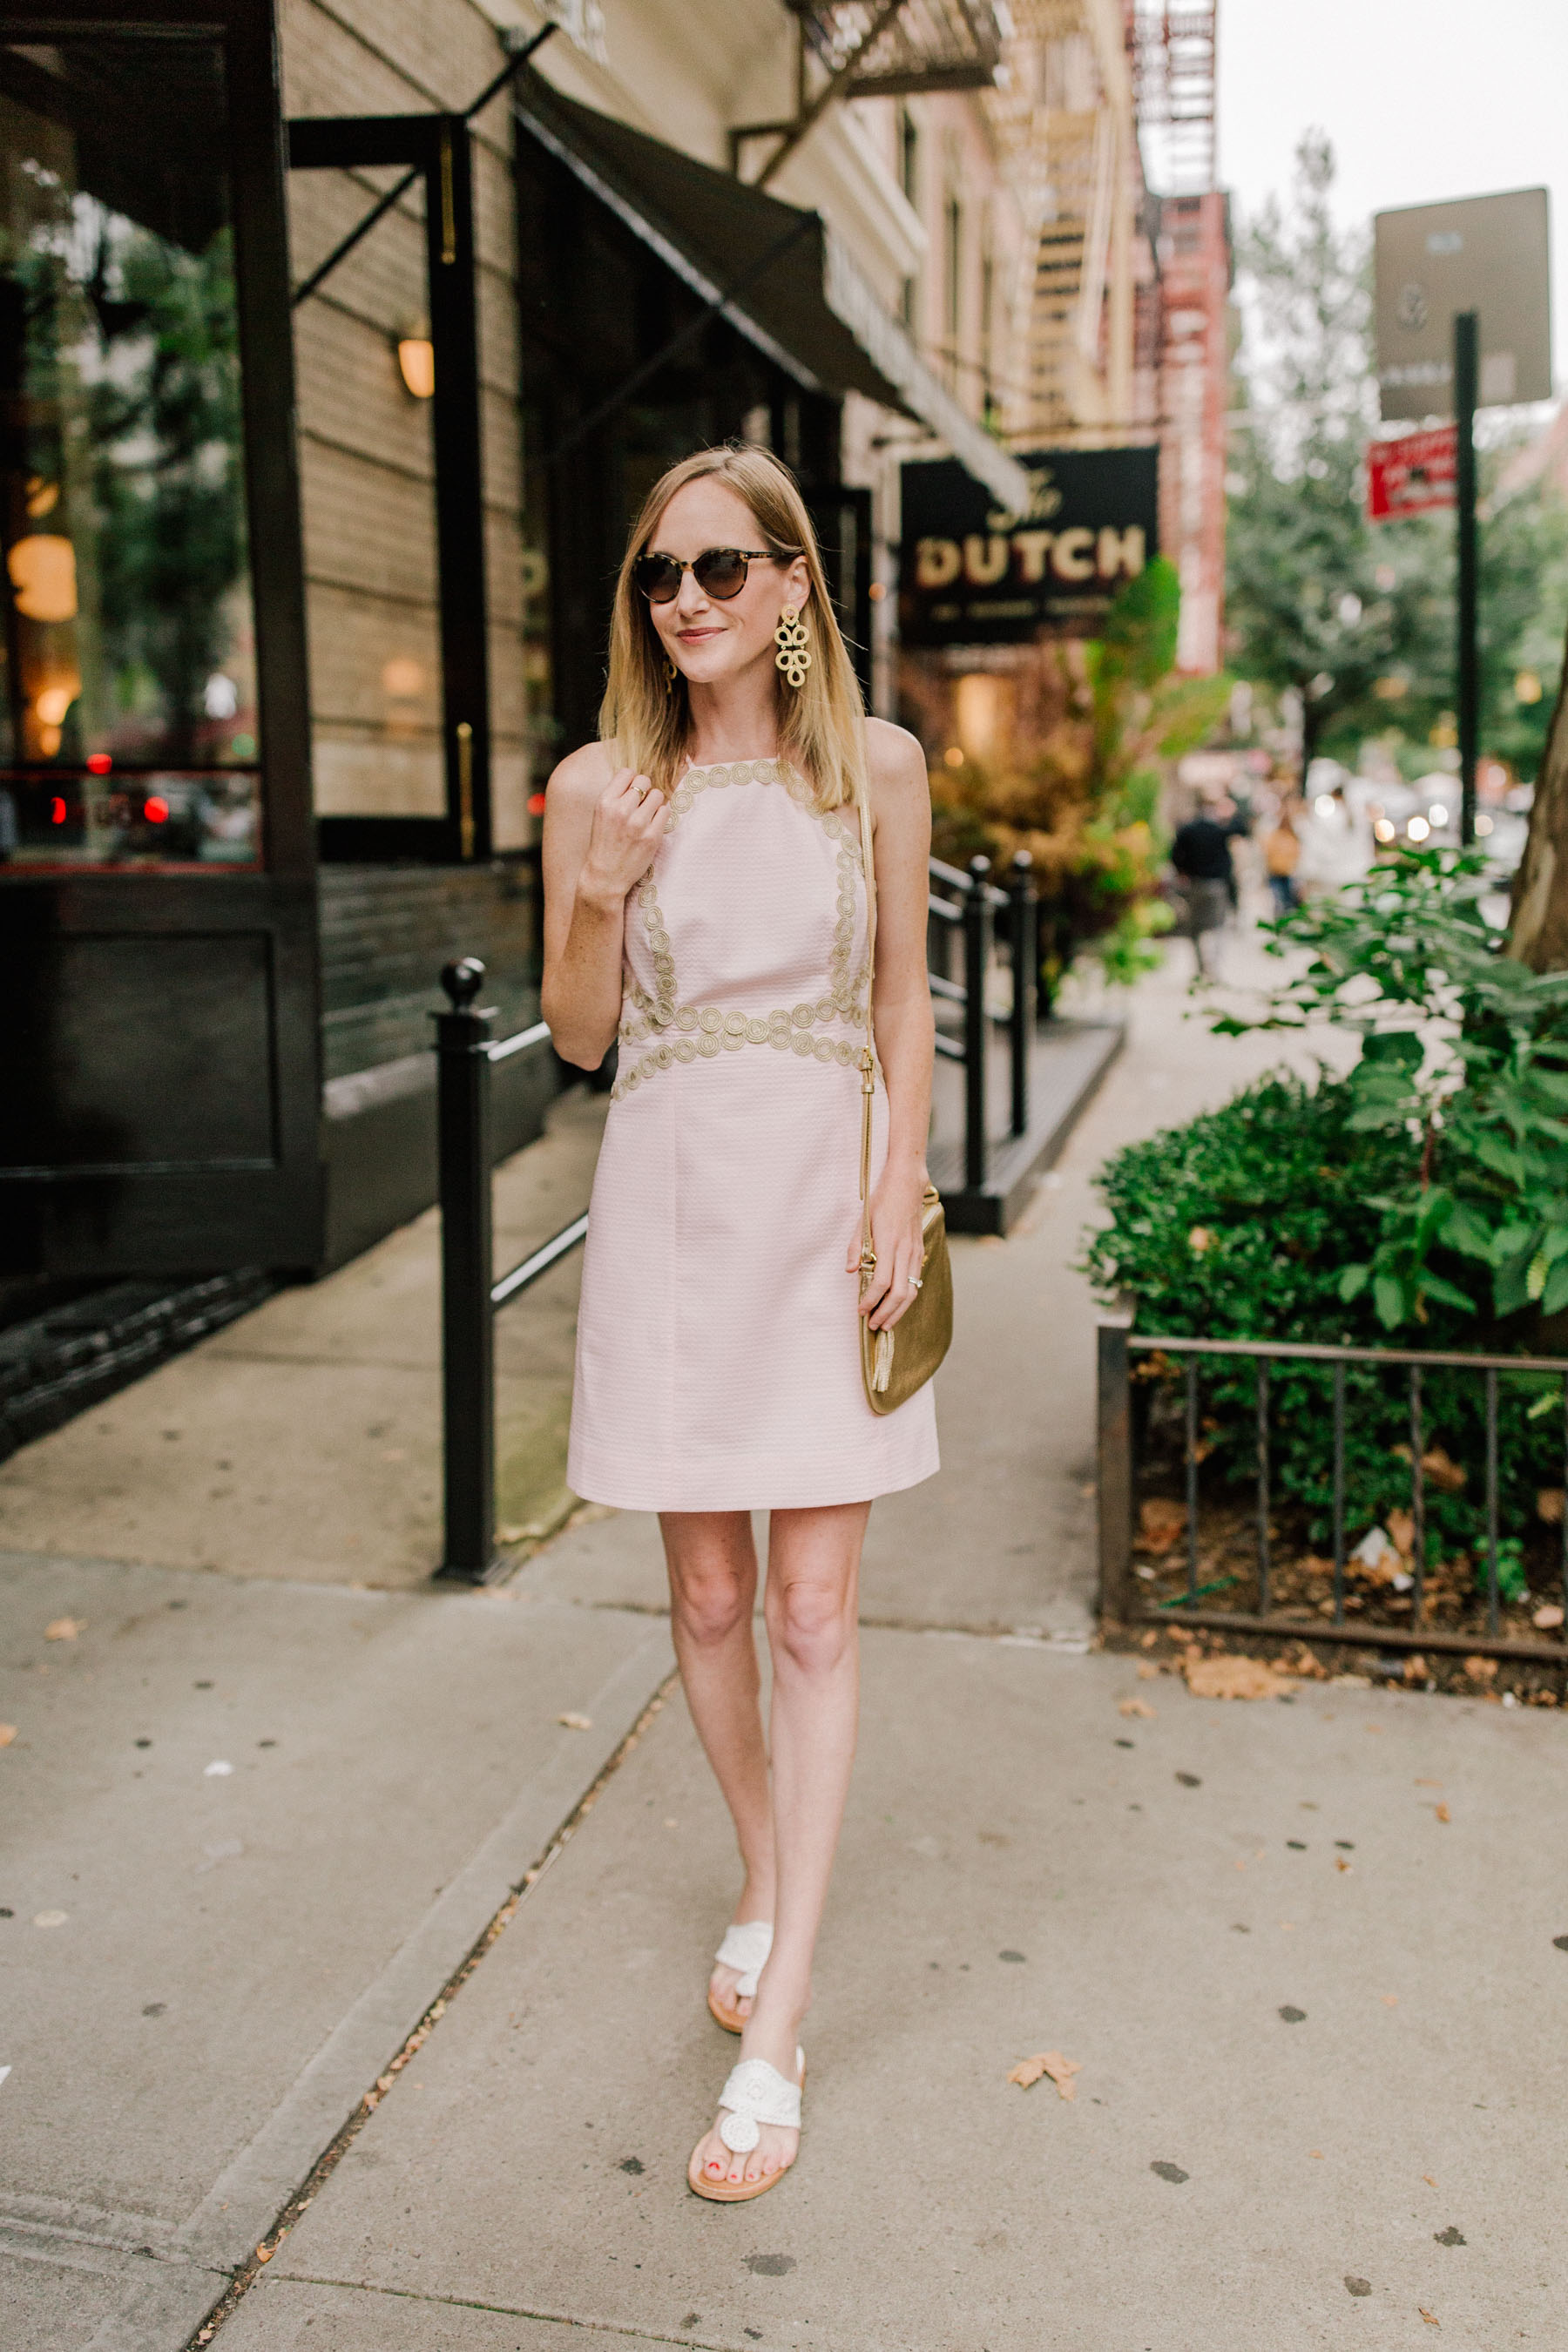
128 724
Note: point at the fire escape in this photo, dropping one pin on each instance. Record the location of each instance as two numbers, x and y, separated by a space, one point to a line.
1057 102
1063 120
1170 50
875 49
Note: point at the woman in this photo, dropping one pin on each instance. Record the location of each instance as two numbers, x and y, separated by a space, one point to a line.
705 902
1281 856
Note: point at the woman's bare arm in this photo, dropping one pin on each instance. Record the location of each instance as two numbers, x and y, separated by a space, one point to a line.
901 1012
601 831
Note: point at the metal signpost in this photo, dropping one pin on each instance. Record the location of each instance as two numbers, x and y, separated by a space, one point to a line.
1464 320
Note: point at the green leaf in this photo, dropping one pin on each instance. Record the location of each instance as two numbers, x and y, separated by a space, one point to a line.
1508 1286
1353 1280
1400 1047
1466 1232
1388 1297
1554 1293
1446 1294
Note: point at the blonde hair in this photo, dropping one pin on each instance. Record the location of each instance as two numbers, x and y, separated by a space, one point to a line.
821 723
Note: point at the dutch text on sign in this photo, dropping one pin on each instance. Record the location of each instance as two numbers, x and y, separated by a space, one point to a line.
985 561
1412 475
970 575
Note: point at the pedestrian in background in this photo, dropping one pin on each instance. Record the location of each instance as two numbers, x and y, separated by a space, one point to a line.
706 897
1200 855
1281 856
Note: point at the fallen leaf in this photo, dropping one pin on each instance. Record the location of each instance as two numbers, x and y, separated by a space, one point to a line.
1429 2316
1549 1503
1340 1864
1199 1240
1160 1524
1548 1616
1402 1532
1148 1643
7 1733
1428 2180
1443 1471
1136 1706
65 1629
1148 1672
1223 1676
1389 1999
1428 1784
576 1722
1481 1670
1047 2062
1317 2152
1443 1813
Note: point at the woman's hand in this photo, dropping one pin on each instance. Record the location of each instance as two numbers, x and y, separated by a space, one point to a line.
898 1210
628 824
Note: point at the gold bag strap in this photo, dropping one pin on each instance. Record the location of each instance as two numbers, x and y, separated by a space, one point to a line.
868 1053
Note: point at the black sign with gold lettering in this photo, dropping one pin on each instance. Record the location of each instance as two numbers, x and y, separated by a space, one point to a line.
972 575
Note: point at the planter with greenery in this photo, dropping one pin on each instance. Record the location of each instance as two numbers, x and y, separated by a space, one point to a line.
1421 1201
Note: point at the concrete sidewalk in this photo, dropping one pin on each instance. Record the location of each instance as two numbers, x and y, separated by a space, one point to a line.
1320 2032
252 1828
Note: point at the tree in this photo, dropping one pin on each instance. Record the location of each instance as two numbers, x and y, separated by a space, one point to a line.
1358 618
1538 918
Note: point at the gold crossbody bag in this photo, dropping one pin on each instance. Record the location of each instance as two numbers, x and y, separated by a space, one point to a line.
895 1364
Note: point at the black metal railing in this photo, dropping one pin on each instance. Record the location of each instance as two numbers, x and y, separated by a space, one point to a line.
1121 1598
470 1297
968 910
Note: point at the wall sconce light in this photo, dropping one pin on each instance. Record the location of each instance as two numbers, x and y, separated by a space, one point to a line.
416 358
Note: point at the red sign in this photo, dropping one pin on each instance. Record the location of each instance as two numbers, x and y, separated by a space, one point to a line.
1411 476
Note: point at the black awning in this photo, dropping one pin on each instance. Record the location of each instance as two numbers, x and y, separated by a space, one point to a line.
713 230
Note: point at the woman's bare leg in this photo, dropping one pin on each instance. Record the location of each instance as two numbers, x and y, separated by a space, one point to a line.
712 1564
814 1563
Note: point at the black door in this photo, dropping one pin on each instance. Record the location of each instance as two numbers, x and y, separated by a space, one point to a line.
159 1060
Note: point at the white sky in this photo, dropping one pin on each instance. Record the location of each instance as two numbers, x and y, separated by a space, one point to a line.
1422 99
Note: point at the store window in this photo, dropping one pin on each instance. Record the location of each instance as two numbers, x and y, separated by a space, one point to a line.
128 734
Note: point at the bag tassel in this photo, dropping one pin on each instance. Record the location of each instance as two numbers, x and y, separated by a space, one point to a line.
882 1371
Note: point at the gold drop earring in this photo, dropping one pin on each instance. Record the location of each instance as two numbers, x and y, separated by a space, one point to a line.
793 645
670 675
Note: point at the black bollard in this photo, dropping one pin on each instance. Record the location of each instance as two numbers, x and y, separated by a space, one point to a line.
1025 980
976 964
468 1345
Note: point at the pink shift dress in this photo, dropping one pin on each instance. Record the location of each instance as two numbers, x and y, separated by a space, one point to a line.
718 1342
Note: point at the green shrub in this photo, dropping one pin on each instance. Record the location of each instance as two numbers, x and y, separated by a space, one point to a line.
1240 1224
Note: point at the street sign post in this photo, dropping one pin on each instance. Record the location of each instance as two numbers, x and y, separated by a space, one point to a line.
1463 320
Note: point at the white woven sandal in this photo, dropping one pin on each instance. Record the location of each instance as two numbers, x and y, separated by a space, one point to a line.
746 1948
755 2094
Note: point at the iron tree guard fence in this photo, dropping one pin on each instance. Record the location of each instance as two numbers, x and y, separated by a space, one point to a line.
1121 1597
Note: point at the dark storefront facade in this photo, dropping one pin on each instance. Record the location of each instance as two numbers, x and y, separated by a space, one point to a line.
219 964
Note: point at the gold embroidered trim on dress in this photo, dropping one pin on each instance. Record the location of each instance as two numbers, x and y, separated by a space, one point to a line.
749 772
715 1029
722 1033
